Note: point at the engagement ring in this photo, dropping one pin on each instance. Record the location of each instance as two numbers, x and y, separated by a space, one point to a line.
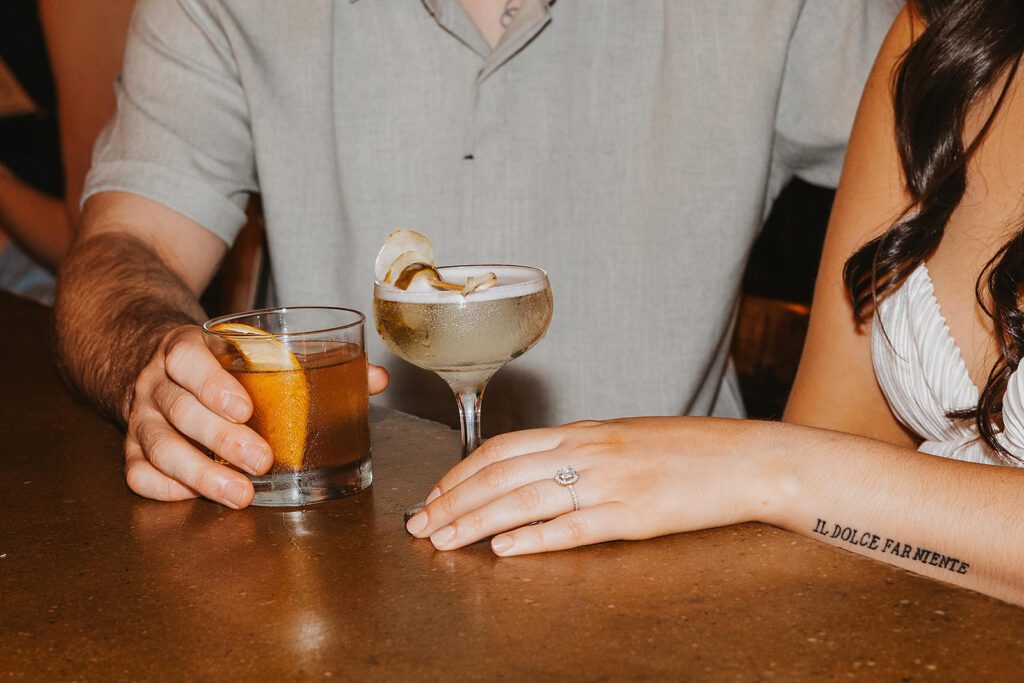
566 477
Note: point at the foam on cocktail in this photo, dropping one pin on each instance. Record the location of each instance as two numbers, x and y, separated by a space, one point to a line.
405 271
512 281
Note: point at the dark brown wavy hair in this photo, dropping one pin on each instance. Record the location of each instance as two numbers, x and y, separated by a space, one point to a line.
965 49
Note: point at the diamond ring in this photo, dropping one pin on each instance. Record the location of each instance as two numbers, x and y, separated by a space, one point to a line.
566 477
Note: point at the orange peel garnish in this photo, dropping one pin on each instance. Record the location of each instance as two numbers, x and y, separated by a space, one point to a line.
277 386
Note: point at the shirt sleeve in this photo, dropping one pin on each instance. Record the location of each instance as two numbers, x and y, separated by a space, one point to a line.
181 134
830 55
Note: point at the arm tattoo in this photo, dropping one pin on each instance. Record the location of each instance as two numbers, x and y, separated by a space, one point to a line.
115 302
890 546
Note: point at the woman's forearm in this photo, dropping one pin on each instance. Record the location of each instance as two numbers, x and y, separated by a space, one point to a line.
35 220
950 520
643 477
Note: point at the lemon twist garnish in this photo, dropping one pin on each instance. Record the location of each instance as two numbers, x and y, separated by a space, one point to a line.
407 257
277 386
402 249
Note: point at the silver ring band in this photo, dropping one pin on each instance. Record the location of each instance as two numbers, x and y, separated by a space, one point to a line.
575 498
565 478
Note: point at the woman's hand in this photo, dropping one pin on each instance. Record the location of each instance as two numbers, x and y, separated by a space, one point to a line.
638 478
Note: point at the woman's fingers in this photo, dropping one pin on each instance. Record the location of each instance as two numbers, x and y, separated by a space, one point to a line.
490 483
583 527
534 502
507 483
497 449
235 443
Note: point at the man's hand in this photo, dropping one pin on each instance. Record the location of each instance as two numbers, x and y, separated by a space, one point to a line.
182 400
127 315
183 394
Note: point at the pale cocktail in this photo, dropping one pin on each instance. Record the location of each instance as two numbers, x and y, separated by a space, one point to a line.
466 339
462 322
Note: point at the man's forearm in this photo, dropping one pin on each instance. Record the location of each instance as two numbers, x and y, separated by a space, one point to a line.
116 300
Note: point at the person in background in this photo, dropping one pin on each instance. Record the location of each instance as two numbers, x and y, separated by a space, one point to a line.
85 42
904 434
31 221
631 149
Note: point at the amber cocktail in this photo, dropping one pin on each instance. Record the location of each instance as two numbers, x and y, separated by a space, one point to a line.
305 371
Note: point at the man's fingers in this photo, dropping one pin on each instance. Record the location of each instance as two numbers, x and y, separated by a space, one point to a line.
189 362
170 453
583 527
233 442
148 481
377 378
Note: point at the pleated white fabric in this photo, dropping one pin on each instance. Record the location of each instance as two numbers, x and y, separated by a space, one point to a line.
923 376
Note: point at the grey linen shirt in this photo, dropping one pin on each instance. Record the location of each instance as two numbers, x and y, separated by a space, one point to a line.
629 148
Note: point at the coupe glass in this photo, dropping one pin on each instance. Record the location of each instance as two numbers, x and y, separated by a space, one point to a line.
466 339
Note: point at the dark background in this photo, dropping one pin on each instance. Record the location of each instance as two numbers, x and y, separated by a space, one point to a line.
29 144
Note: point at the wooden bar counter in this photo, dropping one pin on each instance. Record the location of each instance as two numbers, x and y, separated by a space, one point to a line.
97 584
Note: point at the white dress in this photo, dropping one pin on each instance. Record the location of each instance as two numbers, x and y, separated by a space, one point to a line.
923 376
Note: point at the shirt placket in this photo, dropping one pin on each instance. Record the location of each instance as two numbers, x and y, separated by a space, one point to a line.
532 17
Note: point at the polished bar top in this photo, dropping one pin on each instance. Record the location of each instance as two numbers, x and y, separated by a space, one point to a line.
99 584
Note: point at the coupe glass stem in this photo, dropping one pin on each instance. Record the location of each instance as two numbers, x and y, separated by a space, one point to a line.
469 399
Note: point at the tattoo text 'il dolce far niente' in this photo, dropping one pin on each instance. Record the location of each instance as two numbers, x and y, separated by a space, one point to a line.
866 539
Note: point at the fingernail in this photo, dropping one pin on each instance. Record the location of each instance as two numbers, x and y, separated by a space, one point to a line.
502 544
254 456
433 496
416 523
442 536
236 493
234 406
